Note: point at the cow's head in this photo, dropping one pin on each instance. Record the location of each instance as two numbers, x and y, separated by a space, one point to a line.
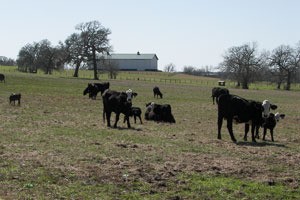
88 89
130 95
279 116
267 108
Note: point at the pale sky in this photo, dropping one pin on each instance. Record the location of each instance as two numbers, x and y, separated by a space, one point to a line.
186 32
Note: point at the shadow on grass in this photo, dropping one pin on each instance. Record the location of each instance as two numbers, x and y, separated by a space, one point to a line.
260 144
125 128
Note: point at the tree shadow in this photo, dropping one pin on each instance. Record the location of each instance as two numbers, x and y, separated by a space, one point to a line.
260 144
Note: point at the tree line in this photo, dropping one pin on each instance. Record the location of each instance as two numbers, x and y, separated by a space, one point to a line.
7 61
245 64
81 49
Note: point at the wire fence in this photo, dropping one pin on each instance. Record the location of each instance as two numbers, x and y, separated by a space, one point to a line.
153 77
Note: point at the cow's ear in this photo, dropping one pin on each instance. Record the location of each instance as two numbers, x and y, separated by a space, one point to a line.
282 116
273 107
134 94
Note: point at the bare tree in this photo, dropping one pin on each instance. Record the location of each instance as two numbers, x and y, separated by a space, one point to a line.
243 63
170 67
285 62
95 40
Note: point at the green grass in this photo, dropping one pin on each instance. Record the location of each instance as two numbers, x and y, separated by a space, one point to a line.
55 145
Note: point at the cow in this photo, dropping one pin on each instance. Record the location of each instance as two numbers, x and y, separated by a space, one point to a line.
117 102
266 113
270 123
135 112
15 97
217 91
2 78
156 92
94 88
240 110
159 113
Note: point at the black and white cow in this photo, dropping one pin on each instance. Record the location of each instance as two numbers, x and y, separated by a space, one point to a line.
270 123
117 102
239 110
217 91
159 113
135 112
266 113
156 92
94 88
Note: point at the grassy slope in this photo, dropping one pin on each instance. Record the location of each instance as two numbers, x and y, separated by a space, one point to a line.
55 145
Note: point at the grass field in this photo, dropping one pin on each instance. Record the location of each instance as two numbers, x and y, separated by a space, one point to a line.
55 145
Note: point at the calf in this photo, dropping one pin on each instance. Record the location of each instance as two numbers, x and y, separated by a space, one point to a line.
94 88
135 112
270 123
15 97
217 91
240 110
117 102
157 92
157 112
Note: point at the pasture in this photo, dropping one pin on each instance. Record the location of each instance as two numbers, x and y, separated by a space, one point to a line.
55 145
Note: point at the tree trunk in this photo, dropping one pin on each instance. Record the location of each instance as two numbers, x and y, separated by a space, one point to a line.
76 69
245 85
95 65
288 81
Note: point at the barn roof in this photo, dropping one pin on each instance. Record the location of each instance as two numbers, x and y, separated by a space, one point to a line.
137 56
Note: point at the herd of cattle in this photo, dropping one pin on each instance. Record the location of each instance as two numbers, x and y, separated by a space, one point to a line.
121 102
250 112
231 107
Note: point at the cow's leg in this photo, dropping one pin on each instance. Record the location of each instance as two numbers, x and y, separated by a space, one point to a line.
108 114
253 128
265 132
257 132
140 119
220 122
246 131
229 127
117 119
213 100
271 131
128 122
134 118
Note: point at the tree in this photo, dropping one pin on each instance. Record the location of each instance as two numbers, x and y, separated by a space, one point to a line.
285 61
6 61
243 63
74 49
170 68
111 67
41 56
95 42
27 58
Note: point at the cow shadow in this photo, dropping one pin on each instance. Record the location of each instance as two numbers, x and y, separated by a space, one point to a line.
260 144
125 128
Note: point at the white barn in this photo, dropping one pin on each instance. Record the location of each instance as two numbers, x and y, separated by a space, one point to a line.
133 62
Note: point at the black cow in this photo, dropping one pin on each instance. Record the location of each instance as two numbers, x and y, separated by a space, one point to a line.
2 78
157 92
117 102
15 97
135 112
240 110
217 91
159 113
270 123
93 89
